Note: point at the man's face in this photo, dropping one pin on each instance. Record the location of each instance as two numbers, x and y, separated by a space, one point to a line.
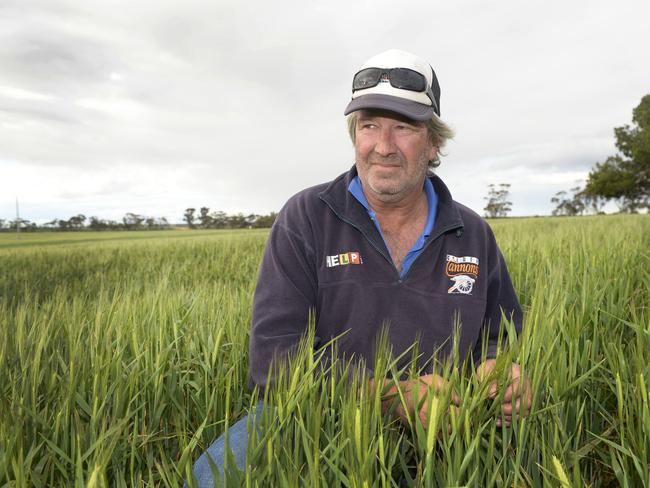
392 153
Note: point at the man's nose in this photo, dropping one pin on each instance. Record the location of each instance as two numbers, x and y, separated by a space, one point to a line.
385 145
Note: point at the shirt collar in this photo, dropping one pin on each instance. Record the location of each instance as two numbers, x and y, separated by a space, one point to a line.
356 189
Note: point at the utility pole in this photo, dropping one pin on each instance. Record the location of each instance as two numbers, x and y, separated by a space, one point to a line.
17 220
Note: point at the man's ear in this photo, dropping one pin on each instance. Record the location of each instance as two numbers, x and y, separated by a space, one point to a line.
433 153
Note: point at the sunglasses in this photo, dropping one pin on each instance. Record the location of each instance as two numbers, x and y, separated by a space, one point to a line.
401 78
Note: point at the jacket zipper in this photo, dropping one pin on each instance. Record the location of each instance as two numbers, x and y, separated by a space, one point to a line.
426 244
387 258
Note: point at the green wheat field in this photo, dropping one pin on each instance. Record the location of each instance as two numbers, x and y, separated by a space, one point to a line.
123 355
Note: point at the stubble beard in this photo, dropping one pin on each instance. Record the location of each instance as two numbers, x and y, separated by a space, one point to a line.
388 190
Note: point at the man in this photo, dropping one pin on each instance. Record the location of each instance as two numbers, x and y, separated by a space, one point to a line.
385 243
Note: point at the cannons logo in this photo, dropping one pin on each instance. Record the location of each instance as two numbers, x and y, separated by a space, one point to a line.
462 271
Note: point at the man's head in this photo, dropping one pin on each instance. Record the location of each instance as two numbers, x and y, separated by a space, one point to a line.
400 82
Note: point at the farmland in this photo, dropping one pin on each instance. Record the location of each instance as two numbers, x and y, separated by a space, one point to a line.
123 354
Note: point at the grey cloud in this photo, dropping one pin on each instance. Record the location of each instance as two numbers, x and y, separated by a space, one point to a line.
22 111
110 188
570 155
261 46
57 61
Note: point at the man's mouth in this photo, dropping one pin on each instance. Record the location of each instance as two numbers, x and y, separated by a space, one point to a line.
385 164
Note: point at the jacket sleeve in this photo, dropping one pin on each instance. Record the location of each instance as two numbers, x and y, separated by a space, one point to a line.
286 291
501 301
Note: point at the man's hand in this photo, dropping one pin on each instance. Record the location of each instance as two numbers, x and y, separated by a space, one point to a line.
518 395
414 391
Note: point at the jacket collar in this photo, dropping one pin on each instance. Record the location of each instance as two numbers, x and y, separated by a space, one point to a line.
348 208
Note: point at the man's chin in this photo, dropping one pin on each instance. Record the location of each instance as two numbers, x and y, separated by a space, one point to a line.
384 189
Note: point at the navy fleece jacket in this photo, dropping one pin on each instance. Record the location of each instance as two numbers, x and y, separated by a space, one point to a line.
325 254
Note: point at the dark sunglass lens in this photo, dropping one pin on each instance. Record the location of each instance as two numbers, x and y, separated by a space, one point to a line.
366 78
407 79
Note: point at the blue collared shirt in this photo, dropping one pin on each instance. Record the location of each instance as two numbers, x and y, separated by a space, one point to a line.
356 188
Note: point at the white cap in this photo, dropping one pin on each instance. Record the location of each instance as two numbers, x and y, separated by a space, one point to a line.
415 105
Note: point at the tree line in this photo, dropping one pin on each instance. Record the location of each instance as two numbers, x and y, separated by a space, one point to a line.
205 219
134 221
130 221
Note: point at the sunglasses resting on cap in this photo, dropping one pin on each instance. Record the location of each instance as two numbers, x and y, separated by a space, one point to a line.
401 78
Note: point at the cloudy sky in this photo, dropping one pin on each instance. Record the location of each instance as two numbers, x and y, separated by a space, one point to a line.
108 107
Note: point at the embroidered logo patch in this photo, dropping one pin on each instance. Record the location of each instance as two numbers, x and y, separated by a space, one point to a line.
462 271
351 257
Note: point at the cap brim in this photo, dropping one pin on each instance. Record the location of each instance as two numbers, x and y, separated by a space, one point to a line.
408 108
